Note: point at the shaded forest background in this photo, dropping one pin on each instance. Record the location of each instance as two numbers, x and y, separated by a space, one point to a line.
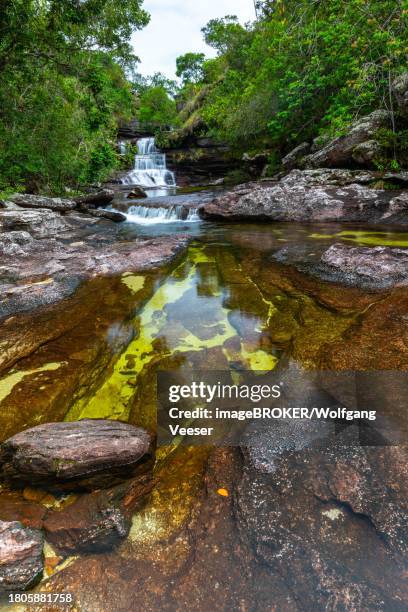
304 69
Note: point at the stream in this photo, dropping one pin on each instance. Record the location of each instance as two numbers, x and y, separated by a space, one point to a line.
225 304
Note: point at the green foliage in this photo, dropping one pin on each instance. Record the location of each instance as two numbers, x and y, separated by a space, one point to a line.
157 108
190 67
63 89
305 68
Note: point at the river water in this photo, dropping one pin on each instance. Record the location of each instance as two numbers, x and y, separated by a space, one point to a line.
226 304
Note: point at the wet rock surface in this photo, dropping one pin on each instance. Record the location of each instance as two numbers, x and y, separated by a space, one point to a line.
97 521
377 268
21 557
308 197
379 264
46 254
84 454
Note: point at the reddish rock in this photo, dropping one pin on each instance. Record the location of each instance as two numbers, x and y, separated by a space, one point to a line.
83 454
14 508
21 557
99 520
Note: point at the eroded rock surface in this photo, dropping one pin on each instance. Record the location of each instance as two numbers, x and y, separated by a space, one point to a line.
382 264
21 557
84 454
46 254
358 146
308 197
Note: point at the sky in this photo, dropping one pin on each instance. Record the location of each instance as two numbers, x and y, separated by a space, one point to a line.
175 28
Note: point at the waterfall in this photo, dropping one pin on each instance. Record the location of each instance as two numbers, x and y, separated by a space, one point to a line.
122 146
146 215
150 167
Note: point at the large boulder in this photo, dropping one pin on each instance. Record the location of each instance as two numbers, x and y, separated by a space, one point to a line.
85 454
21 557
295 157
400 90
98 198
300 196
352 148
35 201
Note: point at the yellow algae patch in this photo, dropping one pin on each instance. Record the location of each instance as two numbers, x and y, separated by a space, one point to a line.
392 239
260 360
8 383
179 318
134 282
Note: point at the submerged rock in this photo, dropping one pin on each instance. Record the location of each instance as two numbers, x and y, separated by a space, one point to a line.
99 520
85 454
308 197
21 557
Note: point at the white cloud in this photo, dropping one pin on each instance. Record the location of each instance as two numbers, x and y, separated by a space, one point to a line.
175 28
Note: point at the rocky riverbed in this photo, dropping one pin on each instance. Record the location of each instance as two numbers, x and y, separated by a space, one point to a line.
273 522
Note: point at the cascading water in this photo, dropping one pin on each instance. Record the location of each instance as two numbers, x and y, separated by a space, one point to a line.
150 169
146 215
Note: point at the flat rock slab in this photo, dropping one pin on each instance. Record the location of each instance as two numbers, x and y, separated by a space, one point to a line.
35 201
384 265
21 557
85 454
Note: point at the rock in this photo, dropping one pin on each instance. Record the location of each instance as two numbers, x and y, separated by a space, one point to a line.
367 152
35 201
91 524
14 508
340 151
112 215
53 268
292 159
82 455
312 516
301 196
21 557
400 90
100 198
136 193
40 223
383 265
15 243
98 520
398 205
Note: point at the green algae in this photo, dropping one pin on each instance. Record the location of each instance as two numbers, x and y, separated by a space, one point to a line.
368 238
134 282
7 383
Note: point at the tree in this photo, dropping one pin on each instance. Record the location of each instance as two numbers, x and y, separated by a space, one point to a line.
190 67
157 108
63 89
